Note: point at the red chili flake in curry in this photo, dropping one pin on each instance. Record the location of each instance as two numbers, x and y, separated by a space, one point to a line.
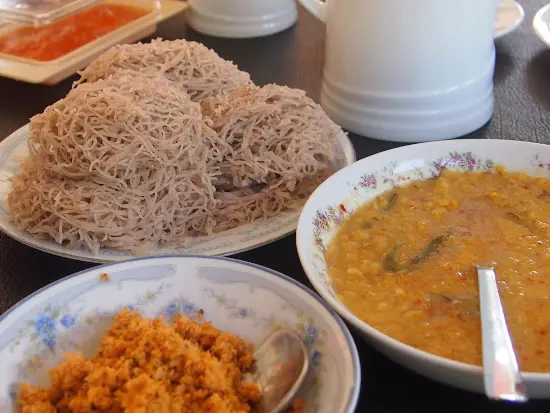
343 208
46 43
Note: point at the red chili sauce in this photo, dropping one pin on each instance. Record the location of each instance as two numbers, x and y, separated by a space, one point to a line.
46 43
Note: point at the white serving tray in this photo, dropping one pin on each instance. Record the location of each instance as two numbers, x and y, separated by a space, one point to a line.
53 72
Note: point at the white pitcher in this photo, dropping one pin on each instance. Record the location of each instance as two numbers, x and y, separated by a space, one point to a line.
408 70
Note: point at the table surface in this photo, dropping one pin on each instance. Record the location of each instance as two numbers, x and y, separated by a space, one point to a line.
295 58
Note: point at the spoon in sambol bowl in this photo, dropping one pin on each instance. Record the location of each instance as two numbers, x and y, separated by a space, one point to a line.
502 377
280 368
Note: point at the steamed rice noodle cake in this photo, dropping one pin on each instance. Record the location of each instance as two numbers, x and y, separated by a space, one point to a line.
191 66
118 163
90 212
281 147
113 128
131 162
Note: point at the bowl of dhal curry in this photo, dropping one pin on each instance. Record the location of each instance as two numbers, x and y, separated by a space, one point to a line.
391 243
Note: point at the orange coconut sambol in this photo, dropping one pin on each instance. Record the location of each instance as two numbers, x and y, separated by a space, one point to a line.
52 41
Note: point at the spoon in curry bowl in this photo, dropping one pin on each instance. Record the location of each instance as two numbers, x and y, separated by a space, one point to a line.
280 369
502 377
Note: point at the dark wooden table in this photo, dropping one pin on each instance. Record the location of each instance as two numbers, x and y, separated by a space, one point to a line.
295 58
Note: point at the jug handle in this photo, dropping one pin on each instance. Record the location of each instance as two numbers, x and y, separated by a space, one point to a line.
316 7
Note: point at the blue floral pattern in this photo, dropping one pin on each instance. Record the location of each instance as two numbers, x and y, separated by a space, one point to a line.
311 334
42 331
12 393
180 305
68 320
53 323
45 328
230 305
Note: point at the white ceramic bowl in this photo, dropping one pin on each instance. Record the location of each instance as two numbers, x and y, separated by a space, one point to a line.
240 19
251 301
369 177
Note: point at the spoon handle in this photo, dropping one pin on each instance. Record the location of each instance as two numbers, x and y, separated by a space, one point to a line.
502 377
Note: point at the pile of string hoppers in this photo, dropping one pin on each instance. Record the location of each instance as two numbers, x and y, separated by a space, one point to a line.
164 141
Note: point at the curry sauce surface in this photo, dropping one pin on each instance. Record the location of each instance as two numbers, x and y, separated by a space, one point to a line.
404 263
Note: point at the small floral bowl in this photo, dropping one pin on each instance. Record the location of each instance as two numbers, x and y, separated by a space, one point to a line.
358 183
70 315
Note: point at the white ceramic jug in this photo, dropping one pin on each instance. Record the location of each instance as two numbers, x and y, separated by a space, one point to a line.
408 70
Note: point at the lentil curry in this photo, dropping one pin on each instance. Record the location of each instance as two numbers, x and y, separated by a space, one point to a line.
404 263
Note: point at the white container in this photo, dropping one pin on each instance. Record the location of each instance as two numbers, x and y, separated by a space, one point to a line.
408 71
241 18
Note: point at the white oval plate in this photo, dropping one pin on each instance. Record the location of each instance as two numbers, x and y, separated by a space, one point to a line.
509 16
258 233
71 315
541 24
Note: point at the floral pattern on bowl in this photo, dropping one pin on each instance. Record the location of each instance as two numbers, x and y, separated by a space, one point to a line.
368 178
72 314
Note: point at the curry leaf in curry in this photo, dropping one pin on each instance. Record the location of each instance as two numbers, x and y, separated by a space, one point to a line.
392 202
524 222
430 249
462 306
513 216
438 297
389 262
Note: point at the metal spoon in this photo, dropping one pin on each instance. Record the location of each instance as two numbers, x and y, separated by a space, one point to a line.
280 369
500 367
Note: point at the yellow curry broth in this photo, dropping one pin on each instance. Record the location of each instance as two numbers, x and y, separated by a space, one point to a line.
404 263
